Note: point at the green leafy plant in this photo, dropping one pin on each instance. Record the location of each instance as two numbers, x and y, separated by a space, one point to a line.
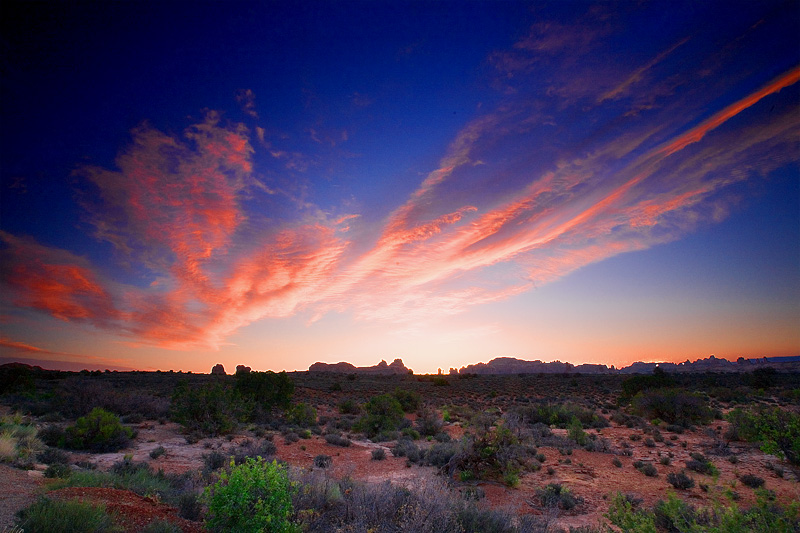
253 497
209 410
99 431
302 415
576 432
777 430
383 413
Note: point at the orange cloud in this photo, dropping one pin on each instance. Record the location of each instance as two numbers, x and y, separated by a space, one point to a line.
698 132
55 282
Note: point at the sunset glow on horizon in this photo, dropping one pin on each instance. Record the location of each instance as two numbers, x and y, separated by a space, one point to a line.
279 184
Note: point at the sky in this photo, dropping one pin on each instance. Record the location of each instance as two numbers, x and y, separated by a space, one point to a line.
278 183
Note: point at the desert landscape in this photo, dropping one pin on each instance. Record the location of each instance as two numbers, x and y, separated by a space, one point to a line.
381 449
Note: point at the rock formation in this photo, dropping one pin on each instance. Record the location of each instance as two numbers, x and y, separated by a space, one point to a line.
218 369
397 367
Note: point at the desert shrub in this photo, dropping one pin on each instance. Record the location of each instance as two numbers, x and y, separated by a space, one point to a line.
701 467
442 436
673 514
99 431
46 516
676 406
561 415
51 456
777 430
405 447
57 470
52 435
254 496
410 401
494 454
378 454
349 407
209 409
157 452
752 481
323 461
440 381
337 440
680 480
189 506
19 443
383 413
636 384
440 454
616 462
429 423
473 518
557 495
648 469
301 414
214 461
623 514
267 390
253 448
576 432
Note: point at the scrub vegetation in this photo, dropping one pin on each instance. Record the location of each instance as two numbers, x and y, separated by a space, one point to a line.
531 435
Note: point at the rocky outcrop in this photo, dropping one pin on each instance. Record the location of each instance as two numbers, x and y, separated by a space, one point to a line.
241 369
397 367
511 365
218 369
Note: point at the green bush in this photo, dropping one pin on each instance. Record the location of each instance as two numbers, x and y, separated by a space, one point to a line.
57 470
636 384
267 390
349 407
557 495
99 431
680 480
302 415
673 514
47 516
561 415
777 430
383 413
676 406
410 401
209 410
576 432
255 496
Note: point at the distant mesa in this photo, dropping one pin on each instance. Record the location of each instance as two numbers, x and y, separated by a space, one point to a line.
218 369
397 367
241 369
510 365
